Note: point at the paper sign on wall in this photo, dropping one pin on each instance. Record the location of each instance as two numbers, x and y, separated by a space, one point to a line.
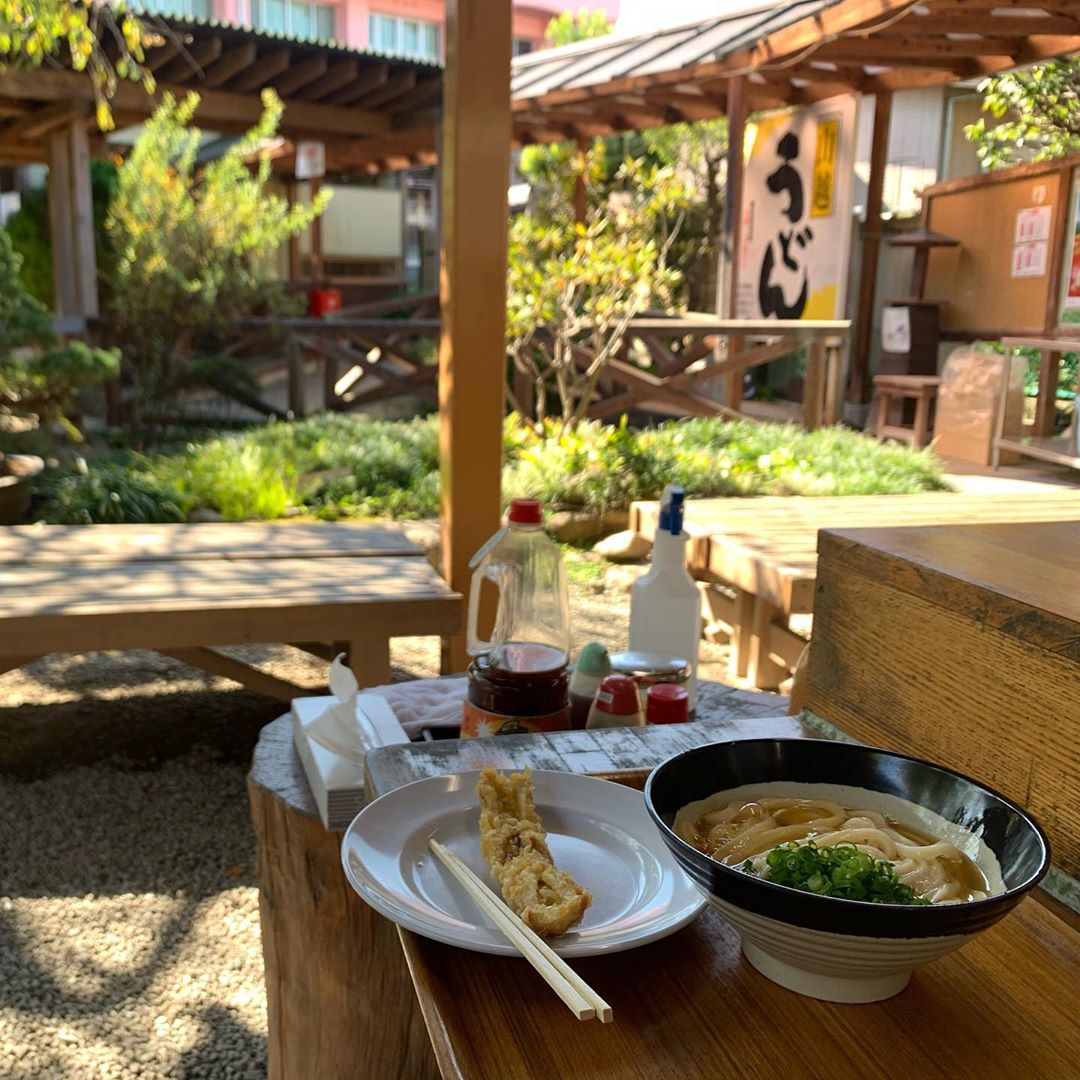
1029 260
310 160
1032 223
796 213
896 329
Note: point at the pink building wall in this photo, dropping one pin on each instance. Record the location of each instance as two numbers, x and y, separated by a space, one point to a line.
351 17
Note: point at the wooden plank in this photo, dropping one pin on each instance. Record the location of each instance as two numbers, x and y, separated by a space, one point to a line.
267 67
300 74
249 540
230 63
859 375
737 112
1023 958
472 347
341 74
218 664
152 605
961 645
1046 401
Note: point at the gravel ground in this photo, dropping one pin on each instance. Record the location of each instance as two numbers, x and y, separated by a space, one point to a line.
129 927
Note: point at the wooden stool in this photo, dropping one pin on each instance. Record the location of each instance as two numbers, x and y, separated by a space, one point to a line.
923 389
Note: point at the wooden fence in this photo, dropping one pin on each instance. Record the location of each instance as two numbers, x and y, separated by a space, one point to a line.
386 349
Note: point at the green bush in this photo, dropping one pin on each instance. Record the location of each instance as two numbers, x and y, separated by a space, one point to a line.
334 465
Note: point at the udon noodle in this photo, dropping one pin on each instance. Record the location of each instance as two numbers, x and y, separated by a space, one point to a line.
742 832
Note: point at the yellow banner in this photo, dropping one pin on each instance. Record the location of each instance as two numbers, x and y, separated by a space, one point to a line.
821 201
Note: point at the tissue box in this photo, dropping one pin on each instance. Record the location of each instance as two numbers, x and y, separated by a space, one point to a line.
337 782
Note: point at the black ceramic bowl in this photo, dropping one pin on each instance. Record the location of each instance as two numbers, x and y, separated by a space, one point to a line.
809 935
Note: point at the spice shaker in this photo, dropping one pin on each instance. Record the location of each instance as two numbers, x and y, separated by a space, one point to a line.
592 665
617 704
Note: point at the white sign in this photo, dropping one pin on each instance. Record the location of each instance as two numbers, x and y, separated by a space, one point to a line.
896 329
796 214
1032 223
310 160
1029 260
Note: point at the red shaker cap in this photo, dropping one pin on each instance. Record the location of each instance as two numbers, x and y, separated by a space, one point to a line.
526 511
667 703
618 696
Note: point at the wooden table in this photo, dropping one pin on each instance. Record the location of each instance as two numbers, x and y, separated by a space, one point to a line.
687 1007
961 644
764 551
181 588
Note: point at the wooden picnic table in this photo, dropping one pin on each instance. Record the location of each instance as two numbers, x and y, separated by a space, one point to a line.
757 557
179 589
342 1001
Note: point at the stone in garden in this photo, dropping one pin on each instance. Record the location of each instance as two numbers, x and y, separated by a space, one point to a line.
573 526
204 515
624 546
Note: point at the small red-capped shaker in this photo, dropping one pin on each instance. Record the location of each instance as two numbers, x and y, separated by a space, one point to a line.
667 703
617 704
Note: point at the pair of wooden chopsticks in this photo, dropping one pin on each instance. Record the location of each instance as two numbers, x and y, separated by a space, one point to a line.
581 999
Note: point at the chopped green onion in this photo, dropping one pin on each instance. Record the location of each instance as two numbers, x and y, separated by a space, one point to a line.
843 871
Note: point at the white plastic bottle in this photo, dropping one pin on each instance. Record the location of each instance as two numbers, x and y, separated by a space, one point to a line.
665 608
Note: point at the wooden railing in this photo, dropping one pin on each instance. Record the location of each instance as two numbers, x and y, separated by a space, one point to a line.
664 365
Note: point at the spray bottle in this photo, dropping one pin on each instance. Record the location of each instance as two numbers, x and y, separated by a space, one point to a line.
665 608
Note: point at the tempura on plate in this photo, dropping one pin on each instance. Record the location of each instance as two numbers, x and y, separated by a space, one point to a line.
512 838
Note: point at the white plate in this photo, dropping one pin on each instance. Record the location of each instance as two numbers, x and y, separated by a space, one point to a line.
598 831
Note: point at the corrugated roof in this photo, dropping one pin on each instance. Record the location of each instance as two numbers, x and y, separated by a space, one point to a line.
194 22
592 63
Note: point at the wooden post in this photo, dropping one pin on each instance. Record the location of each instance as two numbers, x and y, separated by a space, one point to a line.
61 231
736 114
475 162
316 241
82 221
292 194
1046 401
859 379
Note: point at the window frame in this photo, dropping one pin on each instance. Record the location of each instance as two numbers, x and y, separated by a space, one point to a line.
424 30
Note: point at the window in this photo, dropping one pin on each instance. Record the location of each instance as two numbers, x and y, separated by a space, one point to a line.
404 37
523 46
299 19
197 9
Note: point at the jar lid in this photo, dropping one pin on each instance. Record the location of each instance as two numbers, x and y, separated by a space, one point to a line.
667 703
644 664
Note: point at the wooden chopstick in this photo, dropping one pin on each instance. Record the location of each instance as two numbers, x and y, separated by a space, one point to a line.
582 1000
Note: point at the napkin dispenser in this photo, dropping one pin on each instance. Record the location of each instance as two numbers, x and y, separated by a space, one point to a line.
332 733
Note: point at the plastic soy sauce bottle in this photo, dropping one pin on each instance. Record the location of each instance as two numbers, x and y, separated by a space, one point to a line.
518 679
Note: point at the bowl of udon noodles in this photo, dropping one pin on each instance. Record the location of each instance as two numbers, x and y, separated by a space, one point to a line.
843 867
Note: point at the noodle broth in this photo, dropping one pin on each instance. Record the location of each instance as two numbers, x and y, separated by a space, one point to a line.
739 830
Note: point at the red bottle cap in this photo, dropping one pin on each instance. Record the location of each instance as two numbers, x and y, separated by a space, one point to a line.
526 511
667 703
618 696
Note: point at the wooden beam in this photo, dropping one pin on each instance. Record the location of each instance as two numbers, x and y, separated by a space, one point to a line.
859 378
227 668
262 71
423 93
41 121
229 64
158 57
474 166
395 87
300 117
339 75
300 74
994 25
729 304
192 62
367 80
882 49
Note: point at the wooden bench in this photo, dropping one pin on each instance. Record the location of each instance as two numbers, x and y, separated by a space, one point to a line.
922 389
178 589
757 557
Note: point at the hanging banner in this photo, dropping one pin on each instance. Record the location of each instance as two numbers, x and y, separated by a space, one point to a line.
796 215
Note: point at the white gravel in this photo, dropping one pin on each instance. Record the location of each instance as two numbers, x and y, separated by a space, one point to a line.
129 926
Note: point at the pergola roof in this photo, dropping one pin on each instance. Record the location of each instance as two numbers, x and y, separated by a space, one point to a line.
349 98
790 54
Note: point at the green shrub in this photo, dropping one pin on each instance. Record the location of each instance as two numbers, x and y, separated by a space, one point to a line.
335 465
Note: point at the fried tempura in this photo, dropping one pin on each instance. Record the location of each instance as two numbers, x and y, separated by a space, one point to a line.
513 841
